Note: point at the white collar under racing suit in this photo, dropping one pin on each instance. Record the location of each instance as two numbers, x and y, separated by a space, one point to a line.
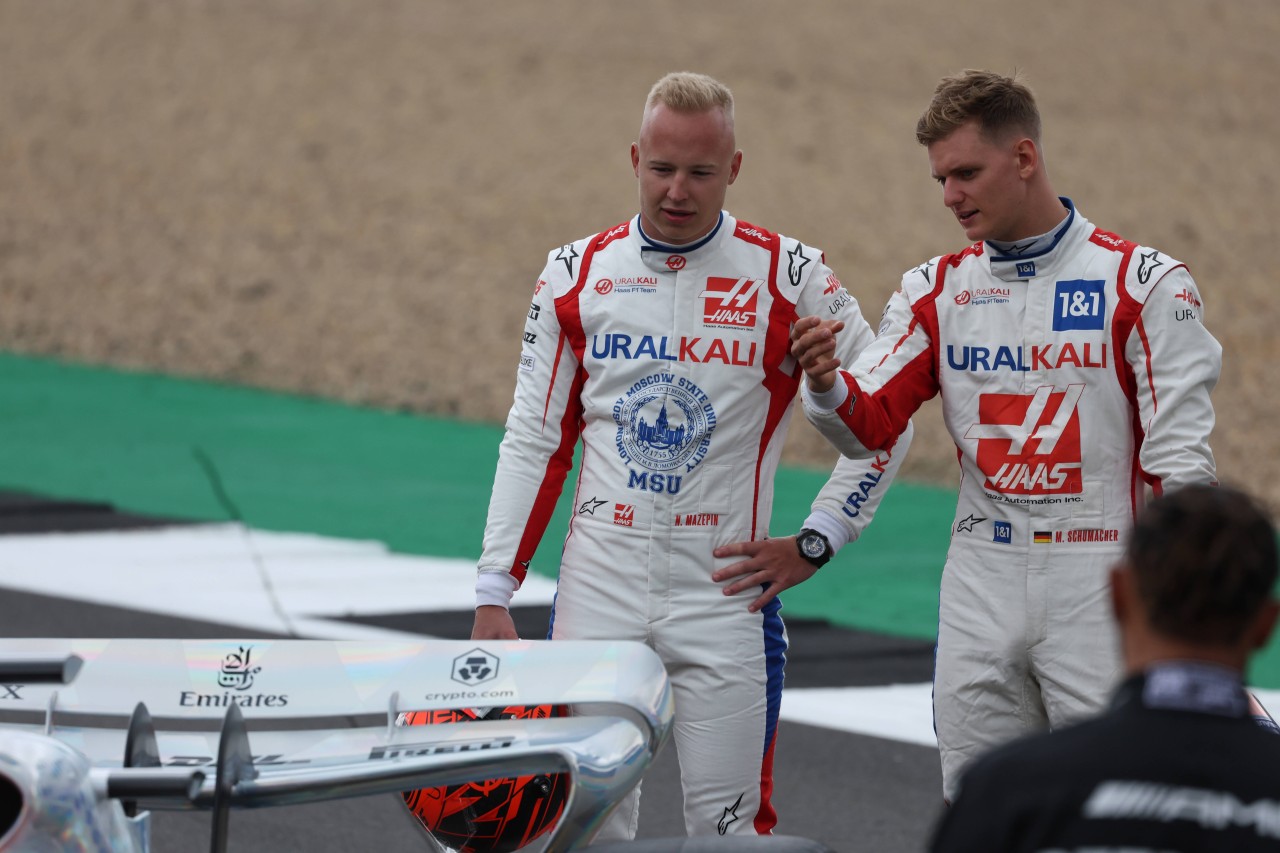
1071 379
673 366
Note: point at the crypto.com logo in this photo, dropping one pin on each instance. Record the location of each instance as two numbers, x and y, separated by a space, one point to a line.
475 667
1029 444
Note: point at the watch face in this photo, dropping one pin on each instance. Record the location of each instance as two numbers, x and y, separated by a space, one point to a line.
813 546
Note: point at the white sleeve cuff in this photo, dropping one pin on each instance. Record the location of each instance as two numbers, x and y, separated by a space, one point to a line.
829 400
829 526
495 588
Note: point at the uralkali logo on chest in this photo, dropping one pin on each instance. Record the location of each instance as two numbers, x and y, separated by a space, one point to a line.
608 346
730 302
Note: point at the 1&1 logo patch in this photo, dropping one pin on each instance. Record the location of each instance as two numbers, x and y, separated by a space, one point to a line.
1079 304
1003 532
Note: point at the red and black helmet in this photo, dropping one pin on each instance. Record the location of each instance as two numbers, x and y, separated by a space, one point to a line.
491 815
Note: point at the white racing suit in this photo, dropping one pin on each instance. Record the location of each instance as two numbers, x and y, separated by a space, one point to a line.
1071 379
673 366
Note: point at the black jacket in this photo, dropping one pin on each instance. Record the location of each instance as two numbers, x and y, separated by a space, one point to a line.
1177 764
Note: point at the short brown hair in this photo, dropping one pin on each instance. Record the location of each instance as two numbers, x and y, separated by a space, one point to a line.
688 92
999 104
1204 559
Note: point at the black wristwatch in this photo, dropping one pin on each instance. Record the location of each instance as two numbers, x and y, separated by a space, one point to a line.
813 546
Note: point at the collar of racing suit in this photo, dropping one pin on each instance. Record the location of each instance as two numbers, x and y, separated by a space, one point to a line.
1034 256
658 256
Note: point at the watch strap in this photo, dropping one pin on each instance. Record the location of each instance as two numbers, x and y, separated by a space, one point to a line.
818 560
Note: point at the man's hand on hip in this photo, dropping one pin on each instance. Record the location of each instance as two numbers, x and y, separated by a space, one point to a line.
493 623
774 562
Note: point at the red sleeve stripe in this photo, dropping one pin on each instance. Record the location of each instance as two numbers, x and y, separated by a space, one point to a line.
569 313
781 386
1146 349
1123 320
880 417
898 344
569 307
552 480
555 366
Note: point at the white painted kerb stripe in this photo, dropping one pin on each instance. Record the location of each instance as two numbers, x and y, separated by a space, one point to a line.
901 712
210 573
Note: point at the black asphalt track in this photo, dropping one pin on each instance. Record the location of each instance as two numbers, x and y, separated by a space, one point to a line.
853 793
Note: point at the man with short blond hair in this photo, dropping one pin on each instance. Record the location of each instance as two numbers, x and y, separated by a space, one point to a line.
691 93
662 344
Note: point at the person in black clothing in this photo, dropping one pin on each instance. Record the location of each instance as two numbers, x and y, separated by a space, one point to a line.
1185 759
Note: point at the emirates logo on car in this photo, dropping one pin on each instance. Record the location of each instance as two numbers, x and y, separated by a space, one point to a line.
237 670
235 677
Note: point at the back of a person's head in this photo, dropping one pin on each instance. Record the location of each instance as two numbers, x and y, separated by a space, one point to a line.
1205 563
998 103
689 92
